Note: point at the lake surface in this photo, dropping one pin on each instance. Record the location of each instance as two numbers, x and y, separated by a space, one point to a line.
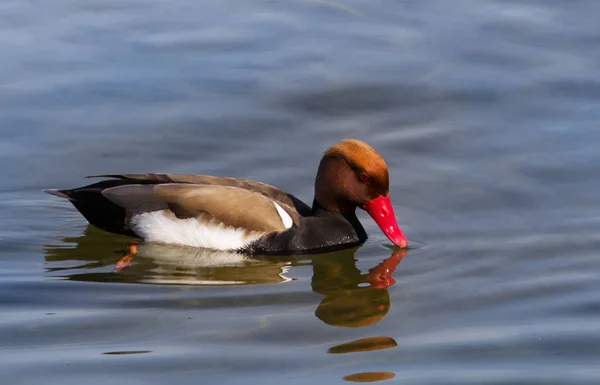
486 112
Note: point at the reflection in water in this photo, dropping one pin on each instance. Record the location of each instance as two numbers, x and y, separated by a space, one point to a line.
194 266
369 377
92 257
351 299
364 345
347 303
126 352
98 251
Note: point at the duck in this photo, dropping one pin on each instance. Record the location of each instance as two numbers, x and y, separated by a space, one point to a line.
246 216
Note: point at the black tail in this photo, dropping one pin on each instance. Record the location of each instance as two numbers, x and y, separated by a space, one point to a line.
96 208
58 193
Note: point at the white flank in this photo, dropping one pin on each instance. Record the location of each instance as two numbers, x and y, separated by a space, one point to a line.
285 217
155 226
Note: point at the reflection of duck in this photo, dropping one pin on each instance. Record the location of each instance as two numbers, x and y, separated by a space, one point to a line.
194 266
347 303
91 257
237 214
364 345
158 264
369 377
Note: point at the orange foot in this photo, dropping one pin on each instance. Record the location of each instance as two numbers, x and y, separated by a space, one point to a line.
129 252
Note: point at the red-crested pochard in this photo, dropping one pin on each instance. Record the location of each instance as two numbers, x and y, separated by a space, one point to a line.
244 215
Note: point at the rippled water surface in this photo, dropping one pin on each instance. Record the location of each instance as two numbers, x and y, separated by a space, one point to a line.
486 113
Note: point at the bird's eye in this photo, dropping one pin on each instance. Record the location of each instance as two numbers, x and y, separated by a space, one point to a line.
363 177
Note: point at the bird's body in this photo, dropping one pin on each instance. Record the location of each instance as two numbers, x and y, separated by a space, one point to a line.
243 215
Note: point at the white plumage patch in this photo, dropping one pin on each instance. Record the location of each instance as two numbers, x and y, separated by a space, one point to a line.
285 217
163 227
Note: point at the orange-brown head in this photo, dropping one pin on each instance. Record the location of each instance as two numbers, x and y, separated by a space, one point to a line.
352 174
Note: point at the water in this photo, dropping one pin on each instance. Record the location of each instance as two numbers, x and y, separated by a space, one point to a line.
485 111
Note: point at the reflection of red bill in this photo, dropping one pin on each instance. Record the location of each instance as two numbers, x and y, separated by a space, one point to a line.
380 277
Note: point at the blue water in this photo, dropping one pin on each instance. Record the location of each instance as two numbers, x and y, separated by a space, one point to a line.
486 113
